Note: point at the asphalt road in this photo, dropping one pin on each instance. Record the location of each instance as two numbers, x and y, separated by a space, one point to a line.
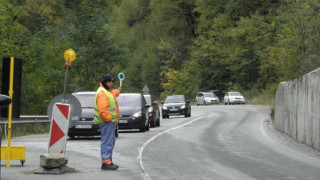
216 142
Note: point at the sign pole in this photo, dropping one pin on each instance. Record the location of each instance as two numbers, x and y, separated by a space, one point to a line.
121 77
69 56
10 110
12 152
66 78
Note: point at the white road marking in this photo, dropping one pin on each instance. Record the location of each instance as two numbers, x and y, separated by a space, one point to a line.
139 158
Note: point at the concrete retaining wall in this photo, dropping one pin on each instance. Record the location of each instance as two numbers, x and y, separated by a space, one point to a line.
297 110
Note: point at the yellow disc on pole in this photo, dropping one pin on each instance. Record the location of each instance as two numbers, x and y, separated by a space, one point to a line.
70 54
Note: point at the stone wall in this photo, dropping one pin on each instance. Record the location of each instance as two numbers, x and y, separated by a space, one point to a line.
297 110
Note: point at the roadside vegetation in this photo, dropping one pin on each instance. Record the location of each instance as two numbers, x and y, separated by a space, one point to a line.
26 129
175 47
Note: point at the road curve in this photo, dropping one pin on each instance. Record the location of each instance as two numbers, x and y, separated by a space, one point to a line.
229 142
217 142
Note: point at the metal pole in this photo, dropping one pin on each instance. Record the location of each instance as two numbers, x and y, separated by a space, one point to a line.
10 110
65 80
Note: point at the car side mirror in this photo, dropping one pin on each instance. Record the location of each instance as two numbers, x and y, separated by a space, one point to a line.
147 106
188 101
4 100
162 102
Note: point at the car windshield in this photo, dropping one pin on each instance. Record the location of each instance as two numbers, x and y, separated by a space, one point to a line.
129 100
235 94
86 100
175 99
209 95
148 99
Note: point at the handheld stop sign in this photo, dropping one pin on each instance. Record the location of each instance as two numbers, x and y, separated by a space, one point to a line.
121 77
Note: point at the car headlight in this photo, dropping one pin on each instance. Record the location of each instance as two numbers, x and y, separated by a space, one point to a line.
137 114
183 106
164 108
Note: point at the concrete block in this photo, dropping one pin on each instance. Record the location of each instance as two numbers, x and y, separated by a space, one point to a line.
55 160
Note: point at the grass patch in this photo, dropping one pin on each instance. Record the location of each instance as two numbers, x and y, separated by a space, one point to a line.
266 98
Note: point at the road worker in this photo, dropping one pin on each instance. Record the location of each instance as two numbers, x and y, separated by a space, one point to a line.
107 115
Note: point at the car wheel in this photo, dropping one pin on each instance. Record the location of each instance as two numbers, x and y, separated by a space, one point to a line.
153 123
163 116
143 129
158 122
148 127
168 116
117 132
186 115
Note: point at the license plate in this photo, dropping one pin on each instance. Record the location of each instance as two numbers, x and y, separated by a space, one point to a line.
123 121
81 126
174 113
173 109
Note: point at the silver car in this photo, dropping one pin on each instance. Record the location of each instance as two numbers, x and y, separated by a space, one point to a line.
234 97
206 98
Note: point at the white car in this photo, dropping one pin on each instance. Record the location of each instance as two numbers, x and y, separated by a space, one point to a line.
206 98
234 97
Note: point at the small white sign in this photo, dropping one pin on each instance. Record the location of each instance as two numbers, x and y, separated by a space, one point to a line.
121 76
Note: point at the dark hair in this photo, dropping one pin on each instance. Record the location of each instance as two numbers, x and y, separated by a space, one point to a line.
107 78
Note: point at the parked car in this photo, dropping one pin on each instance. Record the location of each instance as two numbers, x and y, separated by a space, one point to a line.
176 105
85 125
154 111
234 97
218 93
133 111
206 98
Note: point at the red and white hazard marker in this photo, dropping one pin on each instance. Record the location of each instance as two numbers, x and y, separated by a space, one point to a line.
59 128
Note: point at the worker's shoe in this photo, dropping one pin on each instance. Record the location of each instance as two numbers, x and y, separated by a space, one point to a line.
115 165
109 167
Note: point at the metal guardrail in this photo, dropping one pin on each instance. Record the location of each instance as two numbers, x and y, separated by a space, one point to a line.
27 119
24 119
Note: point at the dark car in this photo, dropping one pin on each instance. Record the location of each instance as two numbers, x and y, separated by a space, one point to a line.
85 125
217 93
4 100
154 111
133 111
176 105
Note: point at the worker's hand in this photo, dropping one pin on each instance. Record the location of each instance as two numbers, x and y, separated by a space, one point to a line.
119 88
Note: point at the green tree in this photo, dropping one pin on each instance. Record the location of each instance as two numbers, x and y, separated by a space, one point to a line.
296 48
96 51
